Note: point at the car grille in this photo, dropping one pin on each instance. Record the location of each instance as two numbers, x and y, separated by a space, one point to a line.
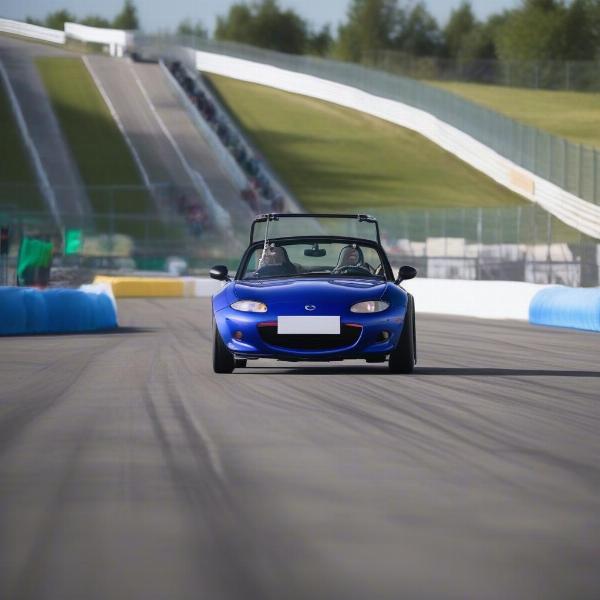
348 336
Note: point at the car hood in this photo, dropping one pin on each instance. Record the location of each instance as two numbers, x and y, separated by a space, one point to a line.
318 291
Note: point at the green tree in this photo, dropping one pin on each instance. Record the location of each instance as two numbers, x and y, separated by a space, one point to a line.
460 25
188 27
480 42
57 19
127 18
265 24
237 26
280 30
419 34
534 32
96 21
371 25
580 30
593 11
320 42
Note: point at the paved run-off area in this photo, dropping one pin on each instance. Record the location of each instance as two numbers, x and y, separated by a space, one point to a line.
129 470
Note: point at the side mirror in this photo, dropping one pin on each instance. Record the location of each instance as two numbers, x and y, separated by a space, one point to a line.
405 273
219 272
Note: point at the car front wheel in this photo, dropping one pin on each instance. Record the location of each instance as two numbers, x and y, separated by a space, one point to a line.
404 356
223 361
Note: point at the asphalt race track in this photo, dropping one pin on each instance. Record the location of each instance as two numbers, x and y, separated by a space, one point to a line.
129 470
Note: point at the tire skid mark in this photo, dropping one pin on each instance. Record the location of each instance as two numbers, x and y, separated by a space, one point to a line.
202 488
15 420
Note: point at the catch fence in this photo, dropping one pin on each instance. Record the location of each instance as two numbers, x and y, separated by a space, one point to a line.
583 76
521 243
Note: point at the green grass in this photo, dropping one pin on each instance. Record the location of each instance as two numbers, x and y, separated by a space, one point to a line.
97 144
572 115
334 158
18 185
95 140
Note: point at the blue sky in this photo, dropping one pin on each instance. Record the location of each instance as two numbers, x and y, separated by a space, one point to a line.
165 14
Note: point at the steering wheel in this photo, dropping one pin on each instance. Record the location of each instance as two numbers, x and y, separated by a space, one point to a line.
351 269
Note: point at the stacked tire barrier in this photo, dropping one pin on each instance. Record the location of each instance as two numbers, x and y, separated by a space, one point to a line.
560 306
29 311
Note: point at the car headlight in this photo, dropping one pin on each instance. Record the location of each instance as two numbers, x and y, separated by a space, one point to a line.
370 306
249 306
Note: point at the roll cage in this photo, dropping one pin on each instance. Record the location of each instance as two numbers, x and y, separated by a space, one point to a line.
268 218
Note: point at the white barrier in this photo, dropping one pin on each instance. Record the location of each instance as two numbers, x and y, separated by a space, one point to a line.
202 287
579 214
117 40
481 299
455 297
32 31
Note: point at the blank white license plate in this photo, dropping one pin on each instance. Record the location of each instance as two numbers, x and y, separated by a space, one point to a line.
311 325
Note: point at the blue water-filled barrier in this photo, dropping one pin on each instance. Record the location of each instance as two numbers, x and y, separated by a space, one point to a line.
30 311
560 306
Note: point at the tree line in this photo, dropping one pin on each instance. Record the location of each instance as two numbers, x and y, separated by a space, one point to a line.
536 30
127 18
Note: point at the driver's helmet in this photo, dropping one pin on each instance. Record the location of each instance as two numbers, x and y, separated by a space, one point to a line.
350 256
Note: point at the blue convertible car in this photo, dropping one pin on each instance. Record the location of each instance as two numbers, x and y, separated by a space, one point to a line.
314 297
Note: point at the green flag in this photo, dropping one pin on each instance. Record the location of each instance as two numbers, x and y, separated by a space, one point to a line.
73 241
34 253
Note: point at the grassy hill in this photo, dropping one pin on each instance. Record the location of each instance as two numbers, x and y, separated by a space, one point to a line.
333 158
572 115
97 145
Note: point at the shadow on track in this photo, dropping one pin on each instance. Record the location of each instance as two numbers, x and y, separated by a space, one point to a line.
117 331
427 371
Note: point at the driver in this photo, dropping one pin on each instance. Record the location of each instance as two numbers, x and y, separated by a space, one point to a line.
274 257
350 256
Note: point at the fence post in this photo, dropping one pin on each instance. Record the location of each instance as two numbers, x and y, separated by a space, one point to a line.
580 174
549 246
565 165
479 242
594 176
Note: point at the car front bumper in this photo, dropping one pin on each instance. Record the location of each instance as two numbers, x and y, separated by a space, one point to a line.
252 335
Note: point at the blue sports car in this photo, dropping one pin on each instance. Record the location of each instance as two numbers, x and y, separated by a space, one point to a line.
301 295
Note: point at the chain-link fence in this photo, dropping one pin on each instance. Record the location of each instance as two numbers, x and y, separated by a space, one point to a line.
581 76
521 243
573 167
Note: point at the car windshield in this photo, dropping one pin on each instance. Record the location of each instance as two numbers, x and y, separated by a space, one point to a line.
310 258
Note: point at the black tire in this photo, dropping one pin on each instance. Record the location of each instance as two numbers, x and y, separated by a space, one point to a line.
404 356
223 361
240 363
